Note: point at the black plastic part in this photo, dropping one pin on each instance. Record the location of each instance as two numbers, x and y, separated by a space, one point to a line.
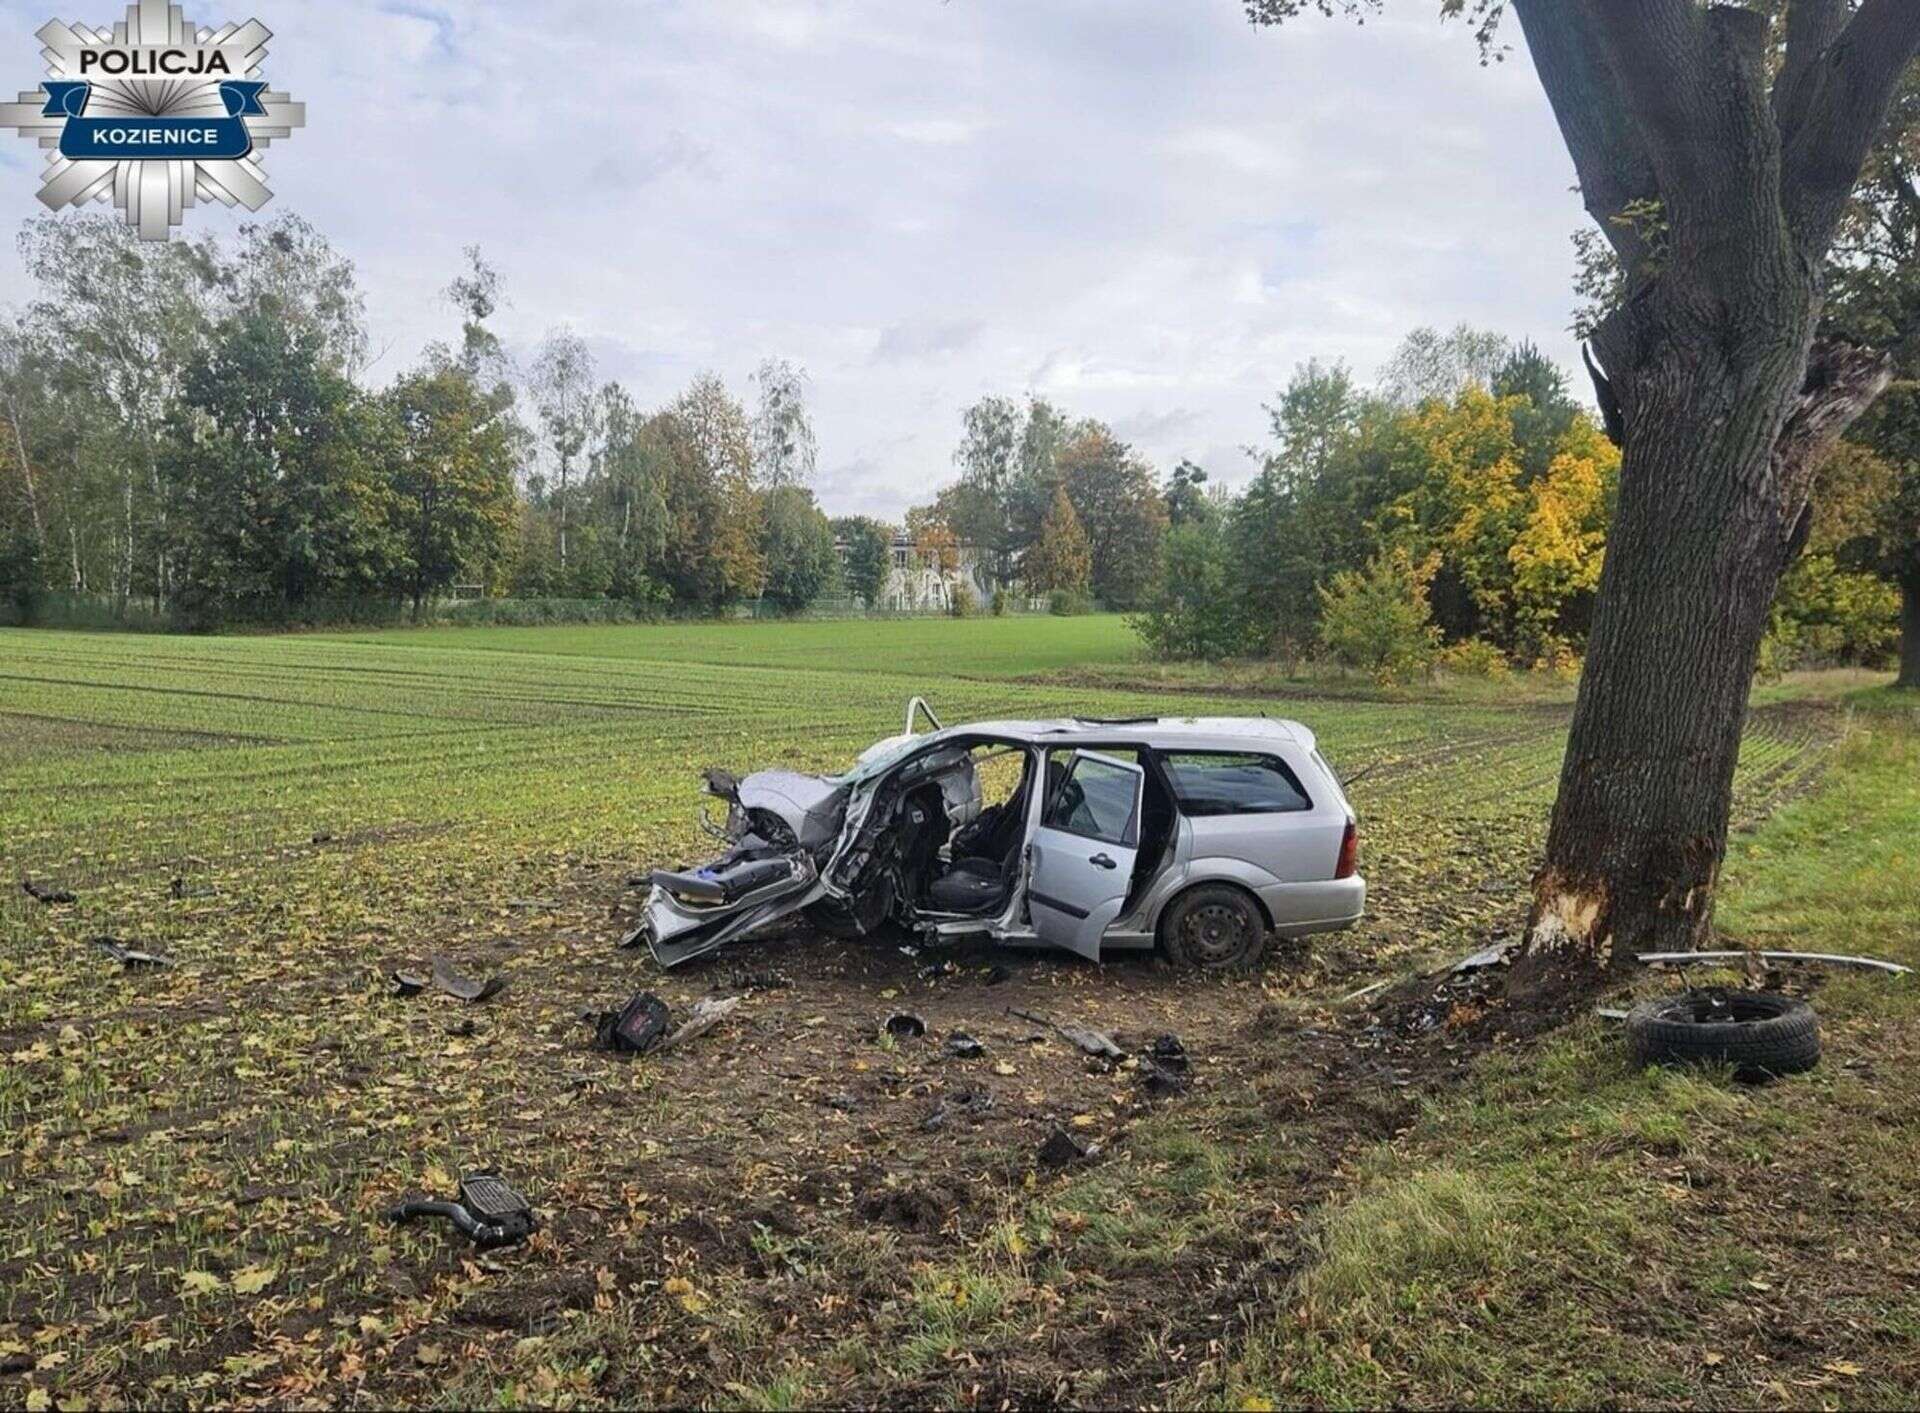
489 1213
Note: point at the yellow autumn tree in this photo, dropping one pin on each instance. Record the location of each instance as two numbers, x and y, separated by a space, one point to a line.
1061 558
1556 557
1468 504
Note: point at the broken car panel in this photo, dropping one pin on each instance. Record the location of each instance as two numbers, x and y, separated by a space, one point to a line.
1201 834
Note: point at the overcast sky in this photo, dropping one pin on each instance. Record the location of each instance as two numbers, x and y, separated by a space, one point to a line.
1144 210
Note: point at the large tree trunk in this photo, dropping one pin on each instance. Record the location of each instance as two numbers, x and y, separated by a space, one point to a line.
1719 193
1909 633
1721 439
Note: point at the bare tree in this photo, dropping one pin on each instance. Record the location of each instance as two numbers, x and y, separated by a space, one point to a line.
564 397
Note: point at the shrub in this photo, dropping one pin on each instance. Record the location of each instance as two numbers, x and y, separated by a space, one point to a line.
1192 611
1069 603
962 604
1002 601
1475 657
1379 618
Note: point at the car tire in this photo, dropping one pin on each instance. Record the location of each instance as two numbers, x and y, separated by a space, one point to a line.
1762 1034
1215 927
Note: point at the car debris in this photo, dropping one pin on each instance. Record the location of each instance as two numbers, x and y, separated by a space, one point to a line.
706 1014
1094 1042
407 983
1197 835
635 1028
41 893
971 1101
904 1025
1169 1053
964 1047
180 890
1062 1150
132 958
487 1212
446 979
1831 959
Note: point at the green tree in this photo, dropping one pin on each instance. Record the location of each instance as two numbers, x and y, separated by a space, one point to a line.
1378 617
1192 611
1118 503
796 546
271 471
451 475
869 555
1187 498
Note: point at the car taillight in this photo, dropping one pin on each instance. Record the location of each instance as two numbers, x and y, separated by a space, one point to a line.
1349 852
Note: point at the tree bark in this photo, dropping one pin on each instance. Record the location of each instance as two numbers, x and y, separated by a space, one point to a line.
1909 633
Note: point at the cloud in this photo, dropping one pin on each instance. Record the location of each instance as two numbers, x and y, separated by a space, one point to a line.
1149 212
915 339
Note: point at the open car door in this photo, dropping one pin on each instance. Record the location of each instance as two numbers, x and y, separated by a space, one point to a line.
1083 852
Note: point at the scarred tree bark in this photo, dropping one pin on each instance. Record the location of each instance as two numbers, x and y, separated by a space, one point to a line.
1720 195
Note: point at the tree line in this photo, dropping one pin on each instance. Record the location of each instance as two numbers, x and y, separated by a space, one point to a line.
190 432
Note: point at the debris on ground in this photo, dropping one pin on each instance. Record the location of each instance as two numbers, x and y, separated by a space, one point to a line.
1169 1053
1495 955
1062 1150
1160 1082
971 1101
446 979
964 1047
1831 959
1095 1042
997 974
934 971
706 1014
740 979
487 1211
905 1025
132 958
408 983
322 836
844 1102
41 893
635 1028
533 905
180 890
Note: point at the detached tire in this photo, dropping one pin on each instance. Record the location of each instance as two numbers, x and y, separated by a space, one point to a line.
1762 1034
1214 927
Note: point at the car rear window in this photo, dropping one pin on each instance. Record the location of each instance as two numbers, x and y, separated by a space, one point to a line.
1225 782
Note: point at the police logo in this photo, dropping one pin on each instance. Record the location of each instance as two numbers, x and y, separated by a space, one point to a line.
154 114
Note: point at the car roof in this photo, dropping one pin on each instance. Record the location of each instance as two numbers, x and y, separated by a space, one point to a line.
1163 732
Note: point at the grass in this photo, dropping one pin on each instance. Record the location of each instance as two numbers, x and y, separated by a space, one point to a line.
193 1162
1569 1230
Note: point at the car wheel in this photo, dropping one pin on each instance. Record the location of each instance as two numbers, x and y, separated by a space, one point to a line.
1761 1034
1215 927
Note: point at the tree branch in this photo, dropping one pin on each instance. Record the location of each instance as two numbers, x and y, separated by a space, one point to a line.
1609 157
1812 26
1842 382
1843 104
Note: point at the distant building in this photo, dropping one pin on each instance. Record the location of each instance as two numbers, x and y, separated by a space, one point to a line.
917 582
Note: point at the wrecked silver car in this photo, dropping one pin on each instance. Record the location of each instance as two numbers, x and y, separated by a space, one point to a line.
1199 835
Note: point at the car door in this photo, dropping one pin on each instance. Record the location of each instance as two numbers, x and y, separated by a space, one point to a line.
1082 854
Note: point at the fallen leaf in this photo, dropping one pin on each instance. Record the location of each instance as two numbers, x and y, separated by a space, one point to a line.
253 1279
1846 1368
200 1283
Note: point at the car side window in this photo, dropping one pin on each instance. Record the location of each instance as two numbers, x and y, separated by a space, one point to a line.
1222 782
1095 799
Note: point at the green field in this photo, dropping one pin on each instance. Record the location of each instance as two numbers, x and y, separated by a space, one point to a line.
196 1159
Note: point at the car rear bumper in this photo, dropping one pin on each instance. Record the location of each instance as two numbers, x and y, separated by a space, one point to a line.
1298 909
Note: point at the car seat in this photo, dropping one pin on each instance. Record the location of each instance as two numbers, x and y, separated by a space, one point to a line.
970 885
